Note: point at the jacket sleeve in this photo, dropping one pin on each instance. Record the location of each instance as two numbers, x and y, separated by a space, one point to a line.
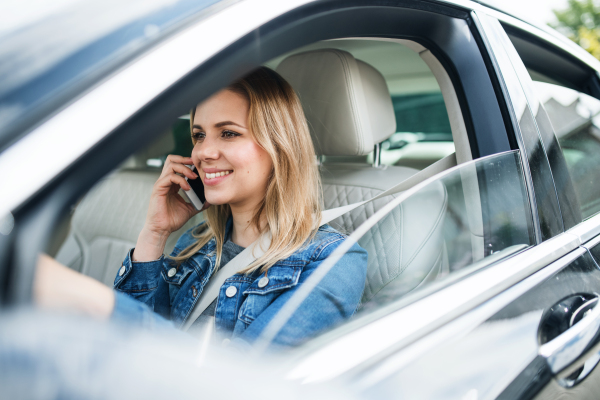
332 301
143 282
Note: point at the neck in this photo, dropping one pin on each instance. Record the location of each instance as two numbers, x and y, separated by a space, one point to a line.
244 232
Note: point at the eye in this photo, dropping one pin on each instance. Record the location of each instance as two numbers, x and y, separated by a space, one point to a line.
196 136
229 134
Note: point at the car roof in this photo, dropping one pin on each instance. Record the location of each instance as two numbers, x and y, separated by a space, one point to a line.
50 52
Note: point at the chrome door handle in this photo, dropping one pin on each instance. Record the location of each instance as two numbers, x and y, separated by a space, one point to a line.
567 347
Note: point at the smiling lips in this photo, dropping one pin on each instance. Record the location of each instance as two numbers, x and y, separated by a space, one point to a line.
217 174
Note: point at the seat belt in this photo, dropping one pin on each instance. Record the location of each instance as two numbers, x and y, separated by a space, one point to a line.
261 245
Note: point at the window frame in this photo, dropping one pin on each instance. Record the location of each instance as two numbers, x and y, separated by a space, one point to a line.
566 68
520 101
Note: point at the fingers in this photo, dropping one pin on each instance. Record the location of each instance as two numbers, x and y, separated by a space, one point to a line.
167 182
183 170
172 158
177 164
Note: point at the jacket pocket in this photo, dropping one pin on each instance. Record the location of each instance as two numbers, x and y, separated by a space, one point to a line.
266 288
279 277
176 274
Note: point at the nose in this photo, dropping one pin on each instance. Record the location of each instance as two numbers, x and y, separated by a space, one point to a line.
206 150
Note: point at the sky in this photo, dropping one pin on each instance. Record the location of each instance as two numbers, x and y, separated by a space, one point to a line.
539 11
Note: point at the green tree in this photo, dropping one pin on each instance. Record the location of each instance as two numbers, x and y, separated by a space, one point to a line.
580 21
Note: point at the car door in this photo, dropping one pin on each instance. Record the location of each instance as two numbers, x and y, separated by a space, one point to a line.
526 336
540 339
567 349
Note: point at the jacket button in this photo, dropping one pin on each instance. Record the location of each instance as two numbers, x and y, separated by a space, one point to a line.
171 272
122 270
264 281
194 291
225 342
231 291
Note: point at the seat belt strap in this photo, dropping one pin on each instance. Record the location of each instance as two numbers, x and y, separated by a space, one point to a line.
261 245
236 264
426 173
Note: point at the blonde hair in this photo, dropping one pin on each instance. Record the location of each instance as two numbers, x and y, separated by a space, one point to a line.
292 202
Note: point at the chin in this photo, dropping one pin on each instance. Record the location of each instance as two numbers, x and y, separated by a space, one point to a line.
217 200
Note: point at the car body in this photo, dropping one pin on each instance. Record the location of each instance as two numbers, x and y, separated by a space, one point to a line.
525 97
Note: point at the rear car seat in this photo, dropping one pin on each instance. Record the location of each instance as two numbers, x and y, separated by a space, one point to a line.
108 220
349 110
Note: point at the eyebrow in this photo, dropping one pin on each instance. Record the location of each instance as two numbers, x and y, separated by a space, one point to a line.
221 124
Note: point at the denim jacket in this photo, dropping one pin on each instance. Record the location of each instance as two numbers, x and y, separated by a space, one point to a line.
172 290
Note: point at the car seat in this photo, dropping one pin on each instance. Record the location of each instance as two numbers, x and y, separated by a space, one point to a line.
108 220
349 110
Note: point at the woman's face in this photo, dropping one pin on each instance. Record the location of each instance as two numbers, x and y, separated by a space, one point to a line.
233 167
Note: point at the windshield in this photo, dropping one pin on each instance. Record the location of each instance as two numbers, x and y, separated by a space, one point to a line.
52 51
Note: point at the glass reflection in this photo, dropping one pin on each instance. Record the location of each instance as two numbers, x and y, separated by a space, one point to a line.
575 118
463 217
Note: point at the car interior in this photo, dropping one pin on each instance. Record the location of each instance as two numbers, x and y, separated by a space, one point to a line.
379 110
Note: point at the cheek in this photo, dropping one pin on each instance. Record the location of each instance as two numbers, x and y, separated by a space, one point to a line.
252 161
264 163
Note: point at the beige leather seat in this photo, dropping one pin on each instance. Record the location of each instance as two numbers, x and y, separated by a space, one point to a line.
108 220
349 110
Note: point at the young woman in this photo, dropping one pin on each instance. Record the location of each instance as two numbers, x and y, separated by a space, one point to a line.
254 155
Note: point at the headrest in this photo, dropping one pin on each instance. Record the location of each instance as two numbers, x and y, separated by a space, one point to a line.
346 101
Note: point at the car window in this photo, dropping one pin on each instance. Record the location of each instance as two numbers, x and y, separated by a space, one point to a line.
443 229
423 133
521 60
478 210
574 117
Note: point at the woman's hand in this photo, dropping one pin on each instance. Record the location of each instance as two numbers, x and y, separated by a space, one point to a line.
167 211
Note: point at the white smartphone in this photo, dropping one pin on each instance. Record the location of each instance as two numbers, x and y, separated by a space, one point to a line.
196 194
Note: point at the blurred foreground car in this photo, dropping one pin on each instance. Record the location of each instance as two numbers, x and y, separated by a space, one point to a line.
483 277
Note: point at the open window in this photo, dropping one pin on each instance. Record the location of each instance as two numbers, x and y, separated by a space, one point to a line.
417 94
441 97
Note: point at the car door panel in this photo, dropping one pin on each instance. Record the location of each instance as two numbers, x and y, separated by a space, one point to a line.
499 358
582 276
484 357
